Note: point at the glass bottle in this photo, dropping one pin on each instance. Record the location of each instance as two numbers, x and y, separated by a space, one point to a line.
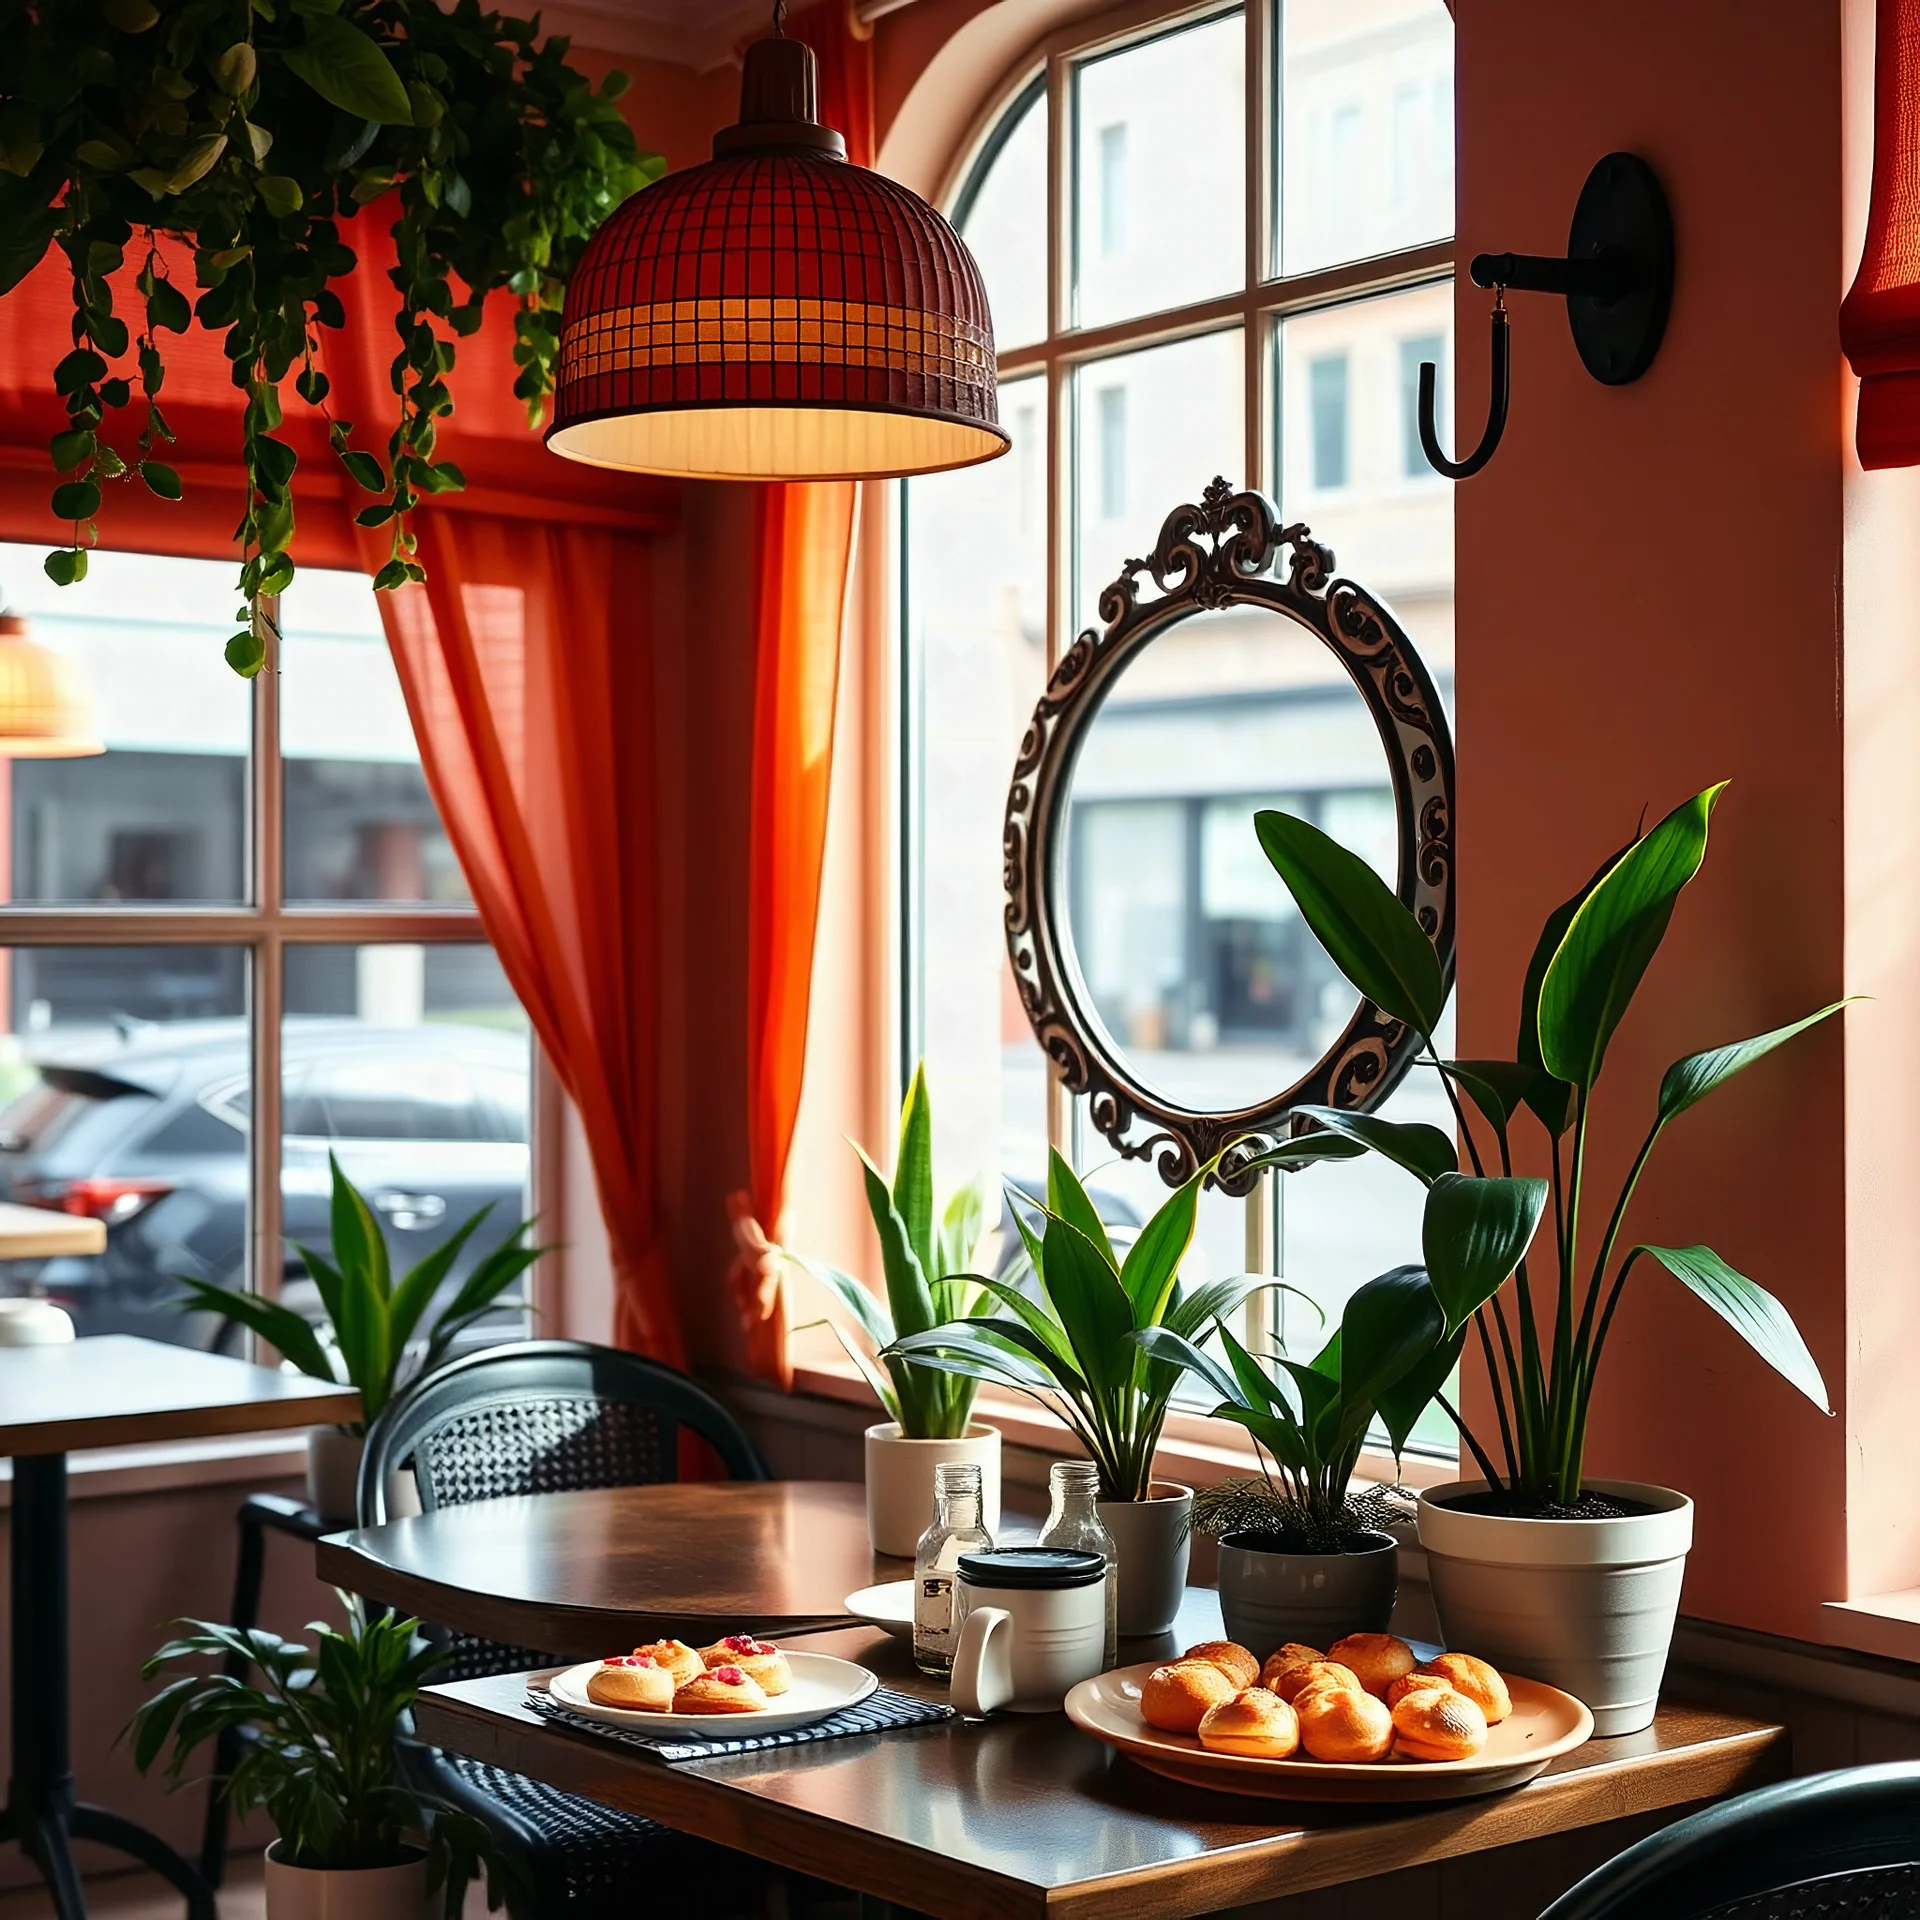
1074 1521
958 1527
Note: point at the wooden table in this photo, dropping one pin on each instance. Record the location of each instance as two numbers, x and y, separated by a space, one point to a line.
97 1393
1014 1819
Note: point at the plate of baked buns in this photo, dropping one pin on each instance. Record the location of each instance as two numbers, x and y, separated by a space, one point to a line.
1366 1719
738 1685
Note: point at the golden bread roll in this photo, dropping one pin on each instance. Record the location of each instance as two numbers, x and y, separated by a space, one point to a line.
1291 1682
1418 1681
720 1690
1175 1698
1230 1657
759 1658
1438 1724
1293 1654
1255 1723
1339 1724
1481 1683
677 1657
1377 1658
635 1681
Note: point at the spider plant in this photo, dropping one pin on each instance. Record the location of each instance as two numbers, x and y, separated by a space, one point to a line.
927 1269
1544 1335
1072 1348
320 1760
1309 1420
374 1320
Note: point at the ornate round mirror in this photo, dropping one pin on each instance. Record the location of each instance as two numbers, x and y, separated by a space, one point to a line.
1168 976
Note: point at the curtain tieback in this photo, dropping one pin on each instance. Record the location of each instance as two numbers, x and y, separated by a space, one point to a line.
754 1277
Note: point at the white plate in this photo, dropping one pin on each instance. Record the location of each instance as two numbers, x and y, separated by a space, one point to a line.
822 1686
888 1607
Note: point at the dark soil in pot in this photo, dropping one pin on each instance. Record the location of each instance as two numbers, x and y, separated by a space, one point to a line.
1519 1506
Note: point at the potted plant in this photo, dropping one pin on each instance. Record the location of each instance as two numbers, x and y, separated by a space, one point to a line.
320 1757
927 1267
1536 1564
378 1328
144 138
1302 1556
1070 1349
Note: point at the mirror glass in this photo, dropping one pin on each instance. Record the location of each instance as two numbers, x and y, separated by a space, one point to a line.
1207 982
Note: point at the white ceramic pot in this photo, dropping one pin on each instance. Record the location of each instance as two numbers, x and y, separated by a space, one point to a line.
900 1482
1151 1548
345 1893
1585 1605
333 1478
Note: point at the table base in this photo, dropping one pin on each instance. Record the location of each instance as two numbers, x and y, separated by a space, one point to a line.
42 1812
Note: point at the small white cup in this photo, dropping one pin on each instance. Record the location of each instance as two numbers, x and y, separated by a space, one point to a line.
1032 1625
34 1323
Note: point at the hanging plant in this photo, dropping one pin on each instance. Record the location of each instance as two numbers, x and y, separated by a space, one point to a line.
249 132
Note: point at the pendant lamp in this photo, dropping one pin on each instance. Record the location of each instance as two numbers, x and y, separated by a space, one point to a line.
777 313
46 712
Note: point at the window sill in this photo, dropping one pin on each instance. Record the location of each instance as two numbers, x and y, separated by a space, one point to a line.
1887 1624
104 1473
1198 1451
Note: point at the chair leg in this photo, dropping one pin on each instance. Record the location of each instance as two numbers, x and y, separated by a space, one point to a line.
245 1614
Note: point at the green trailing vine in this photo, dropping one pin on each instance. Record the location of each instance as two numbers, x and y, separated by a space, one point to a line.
247 131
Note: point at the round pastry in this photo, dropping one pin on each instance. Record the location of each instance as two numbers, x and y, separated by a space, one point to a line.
720 1690
677 1657
636 1681
1338 1724
1316 1676
760 1658
1230 1657
1255 1723
1175 1698
1482 1684
1438 1724
1293 1654
1418 1681
1377 1658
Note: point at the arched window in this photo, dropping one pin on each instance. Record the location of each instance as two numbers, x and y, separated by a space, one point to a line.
1221 243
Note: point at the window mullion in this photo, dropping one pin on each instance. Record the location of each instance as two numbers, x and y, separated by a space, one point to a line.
268 971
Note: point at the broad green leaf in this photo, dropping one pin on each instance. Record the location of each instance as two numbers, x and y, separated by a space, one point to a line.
1193 1312
1090 1304
1367 930
882 1385
1389 1326
964 1223
1044 1328
1257 1387
1612 938
1551 1099
1401 1405
1689 1081
858 1302
1499 1088
1424 1151
1473 1235
1067 1200
348 70
913 1171
908 1296
964 1351
1751 1311
417 1287
1153 1261
280 1327
1280 1434
1306 1149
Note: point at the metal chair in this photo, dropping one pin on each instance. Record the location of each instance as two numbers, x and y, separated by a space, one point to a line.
1840 1846
557 1416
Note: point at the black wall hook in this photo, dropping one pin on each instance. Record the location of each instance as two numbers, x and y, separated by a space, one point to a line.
1617 279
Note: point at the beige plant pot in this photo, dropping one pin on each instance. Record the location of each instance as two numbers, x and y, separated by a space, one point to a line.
345 1893
333 1478
900 1482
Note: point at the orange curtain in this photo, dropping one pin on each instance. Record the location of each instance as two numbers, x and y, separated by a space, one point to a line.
528 673
803 546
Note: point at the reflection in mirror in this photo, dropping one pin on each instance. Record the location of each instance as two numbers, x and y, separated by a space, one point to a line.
1207 981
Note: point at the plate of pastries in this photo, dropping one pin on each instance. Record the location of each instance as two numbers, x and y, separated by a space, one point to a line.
739 1684
1365 1719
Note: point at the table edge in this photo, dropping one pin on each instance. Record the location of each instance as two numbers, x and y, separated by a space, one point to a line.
323 1409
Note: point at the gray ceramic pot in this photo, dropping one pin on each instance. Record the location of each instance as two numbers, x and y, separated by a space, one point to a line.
1269 1595
1150 1551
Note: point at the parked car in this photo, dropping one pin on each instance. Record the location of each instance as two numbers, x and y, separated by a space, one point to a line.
145 1129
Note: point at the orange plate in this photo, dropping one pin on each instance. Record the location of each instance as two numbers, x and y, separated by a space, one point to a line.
1544 1724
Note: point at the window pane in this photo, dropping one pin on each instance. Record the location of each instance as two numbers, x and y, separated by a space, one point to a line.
1151 429
411 1065
161 815
1160 173
124 1073
360 824
1366 116
1002 216
976 655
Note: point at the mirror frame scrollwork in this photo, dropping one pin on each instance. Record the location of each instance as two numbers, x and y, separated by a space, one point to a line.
1217 554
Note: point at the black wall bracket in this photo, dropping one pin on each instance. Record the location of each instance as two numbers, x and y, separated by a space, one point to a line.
1617 279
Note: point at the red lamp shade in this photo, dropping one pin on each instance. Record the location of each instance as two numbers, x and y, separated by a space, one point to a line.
777 314
1880 317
